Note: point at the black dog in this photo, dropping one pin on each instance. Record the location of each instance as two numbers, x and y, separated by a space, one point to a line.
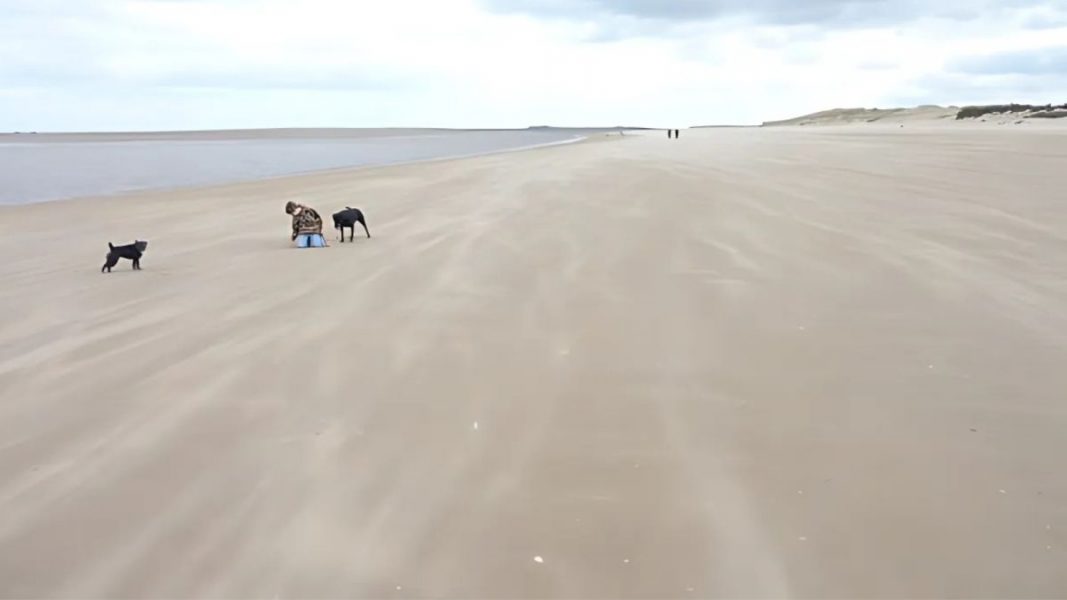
348 218
132 251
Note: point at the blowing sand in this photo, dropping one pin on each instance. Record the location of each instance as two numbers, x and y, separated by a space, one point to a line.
744 363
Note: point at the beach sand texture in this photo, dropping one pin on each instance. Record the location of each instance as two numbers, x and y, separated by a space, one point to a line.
745 363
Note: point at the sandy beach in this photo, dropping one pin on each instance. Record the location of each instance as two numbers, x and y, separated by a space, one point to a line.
789 362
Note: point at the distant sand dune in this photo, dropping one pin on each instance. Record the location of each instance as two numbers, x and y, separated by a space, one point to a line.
926 115
848 116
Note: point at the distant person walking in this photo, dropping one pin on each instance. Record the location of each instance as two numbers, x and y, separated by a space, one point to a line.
676 132
670 133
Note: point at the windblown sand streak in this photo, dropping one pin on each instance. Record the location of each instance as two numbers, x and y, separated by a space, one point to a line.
745 363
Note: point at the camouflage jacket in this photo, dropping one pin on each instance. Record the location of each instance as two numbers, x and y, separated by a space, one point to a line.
306 220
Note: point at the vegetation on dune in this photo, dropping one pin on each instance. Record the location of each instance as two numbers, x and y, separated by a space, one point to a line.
1050 114
1046 111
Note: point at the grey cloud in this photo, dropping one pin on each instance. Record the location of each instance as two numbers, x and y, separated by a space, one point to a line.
840 13
967 89
1047 17
1044 22
877 65
329 79
45 74
15 9
786 11
785 37
48 46
1044 61
36 73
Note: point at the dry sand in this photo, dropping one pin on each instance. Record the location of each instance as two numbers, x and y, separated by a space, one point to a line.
745 363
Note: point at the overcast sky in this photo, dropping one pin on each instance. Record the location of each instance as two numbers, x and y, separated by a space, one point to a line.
180 64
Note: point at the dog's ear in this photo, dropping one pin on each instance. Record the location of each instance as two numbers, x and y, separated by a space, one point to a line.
110 246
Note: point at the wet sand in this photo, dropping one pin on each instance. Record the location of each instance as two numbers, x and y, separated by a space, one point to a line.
745 363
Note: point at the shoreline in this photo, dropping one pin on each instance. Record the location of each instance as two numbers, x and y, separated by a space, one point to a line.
280 133
84 197
287 180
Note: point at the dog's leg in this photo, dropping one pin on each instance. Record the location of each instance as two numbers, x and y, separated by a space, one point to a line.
364 224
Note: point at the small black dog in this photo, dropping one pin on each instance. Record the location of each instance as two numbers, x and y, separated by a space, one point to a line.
348 218
132 251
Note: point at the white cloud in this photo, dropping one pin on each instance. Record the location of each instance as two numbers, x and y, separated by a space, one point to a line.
155 64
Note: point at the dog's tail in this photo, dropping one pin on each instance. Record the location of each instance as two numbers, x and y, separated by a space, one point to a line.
110 246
